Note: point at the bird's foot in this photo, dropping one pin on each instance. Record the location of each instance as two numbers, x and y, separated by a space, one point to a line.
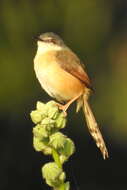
63 108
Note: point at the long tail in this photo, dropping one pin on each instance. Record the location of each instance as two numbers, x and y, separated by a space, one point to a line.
94 129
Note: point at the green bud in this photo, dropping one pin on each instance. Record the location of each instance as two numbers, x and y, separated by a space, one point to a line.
53 110
67 150
53 175
61 121
40 132
69 147
57 140
40 106
40 146
36 116
48 123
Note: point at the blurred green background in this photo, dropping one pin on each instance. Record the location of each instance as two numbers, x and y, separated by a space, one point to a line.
97 31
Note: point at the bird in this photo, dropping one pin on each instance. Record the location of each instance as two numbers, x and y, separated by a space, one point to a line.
63 76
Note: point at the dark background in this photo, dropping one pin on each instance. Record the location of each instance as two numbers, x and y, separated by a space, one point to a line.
97 31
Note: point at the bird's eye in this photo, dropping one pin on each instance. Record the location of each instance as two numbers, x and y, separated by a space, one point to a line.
49 40
52 40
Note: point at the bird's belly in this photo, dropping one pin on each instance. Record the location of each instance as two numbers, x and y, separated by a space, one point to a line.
58 83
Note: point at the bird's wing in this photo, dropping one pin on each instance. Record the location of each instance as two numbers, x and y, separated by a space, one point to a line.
71 63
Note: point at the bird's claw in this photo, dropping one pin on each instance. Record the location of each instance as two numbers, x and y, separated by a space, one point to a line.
63 108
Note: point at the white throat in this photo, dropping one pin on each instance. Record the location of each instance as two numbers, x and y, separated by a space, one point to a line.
44 47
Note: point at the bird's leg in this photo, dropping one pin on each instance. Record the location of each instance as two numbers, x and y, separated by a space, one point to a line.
66 106
61 107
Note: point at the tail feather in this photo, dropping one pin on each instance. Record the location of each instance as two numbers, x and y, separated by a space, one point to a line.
94 129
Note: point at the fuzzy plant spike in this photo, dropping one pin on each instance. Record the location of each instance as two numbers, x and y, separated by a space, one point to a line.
48 139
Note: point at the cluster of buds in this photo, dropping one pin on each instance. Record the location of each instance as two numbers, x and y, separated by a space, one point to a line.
47 139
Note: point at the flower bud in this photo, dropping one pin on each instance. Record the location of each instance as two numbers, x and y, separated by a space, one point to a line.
36 116
40 106
67 150
48 123
40 146
57 140
53 110
53 175
40 132
61 121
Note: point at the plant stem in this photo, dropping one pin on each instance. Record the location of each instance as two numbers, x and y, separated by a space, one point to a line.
56 158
